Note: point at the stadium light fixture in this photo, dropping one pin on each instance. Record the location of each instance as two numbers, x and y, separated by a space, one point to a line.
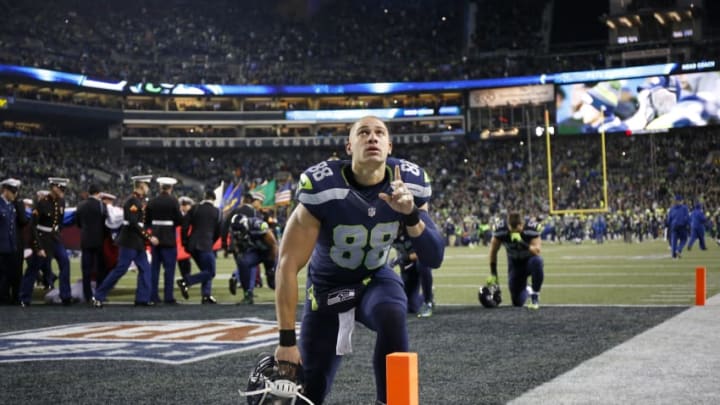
610 24
659 18
625 21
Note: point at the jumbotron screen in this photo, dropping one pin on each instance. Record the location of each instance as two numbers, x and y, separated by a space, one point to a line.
646 104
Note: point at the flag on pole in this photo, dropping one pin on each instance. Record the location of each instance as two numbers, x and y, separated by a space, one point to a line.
284 194
267 188
218 195
232 198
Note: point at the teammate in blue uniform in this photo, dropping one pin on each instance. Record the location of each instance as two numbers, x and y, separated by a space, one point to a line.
347 217
599 229
678 219
253 242
414 276
522 244
697 227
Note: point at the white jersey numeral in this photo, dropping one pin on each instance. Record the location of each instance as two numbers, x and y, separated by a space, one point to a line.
350 241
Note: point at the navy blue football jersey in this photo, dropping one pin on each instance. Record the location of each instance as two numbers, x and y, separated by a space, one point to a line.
516 243
357 227
403 247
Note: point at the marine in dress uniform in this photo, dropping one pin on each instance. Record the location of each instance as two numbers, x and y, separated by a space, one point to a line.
132 239
46 221
163 216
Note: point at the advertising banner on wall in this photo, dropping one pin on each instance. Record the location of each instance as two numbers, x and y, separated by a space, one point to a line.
511 96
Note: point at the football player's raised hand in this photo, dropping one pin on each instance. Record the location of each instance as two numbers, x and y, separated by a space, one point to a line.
401 199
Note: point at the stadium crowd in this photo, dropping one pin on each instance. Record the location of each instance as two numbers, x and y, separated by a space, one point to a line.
283 42
469 177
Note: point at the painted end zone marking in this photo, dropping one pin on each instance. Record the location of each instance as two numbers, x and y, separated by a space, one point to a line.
166 342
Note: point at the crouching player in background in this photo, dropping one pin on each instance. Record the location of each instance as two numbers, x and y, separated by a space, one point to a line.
414 275
522 244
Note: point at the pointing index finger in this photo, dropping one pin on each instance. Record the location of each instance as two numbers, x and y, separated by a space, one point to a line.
397 173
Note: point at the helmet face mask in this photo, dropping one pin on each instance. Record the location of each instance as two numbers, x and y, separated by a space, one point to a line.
273 383
490 296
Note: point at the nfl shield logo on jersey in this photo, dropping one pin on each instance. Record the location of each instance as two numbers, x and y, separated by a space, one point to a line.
371 212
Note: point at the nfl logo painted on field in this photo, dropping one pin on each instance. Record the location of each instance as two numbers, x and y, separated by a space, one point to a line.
168 342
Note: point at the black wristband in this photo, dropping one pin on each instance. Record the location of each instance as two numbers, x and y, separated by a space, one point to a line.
412 218
287 337
493 269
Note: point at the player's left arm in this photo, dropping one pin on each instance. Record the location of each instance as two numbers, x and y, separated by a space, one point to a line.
534 246
494 248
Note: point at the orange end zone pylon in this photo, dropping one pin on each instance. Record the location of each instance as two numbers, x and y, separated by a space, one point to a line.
402 379
700 278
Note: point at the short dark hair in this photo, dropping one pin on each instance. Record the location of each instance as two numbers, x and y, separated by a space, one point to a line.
93 189
210 195
514 219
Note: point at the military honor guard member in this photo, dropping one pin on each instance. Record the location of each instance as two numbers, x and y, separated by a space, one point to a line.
132 239
46 221
10 246
163 216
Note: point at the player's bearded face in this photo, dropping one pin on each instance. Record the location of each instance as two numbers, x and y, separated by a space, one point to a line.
369 141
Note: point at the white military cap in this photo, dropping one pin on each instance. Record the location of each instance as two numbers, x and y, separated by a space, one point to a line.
166 181
145 178
13 183
58 181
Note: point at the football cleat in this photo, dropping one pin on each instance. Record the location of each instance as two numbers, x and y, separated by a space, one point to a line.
426 310
534 303
248 299
232 285
273 382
